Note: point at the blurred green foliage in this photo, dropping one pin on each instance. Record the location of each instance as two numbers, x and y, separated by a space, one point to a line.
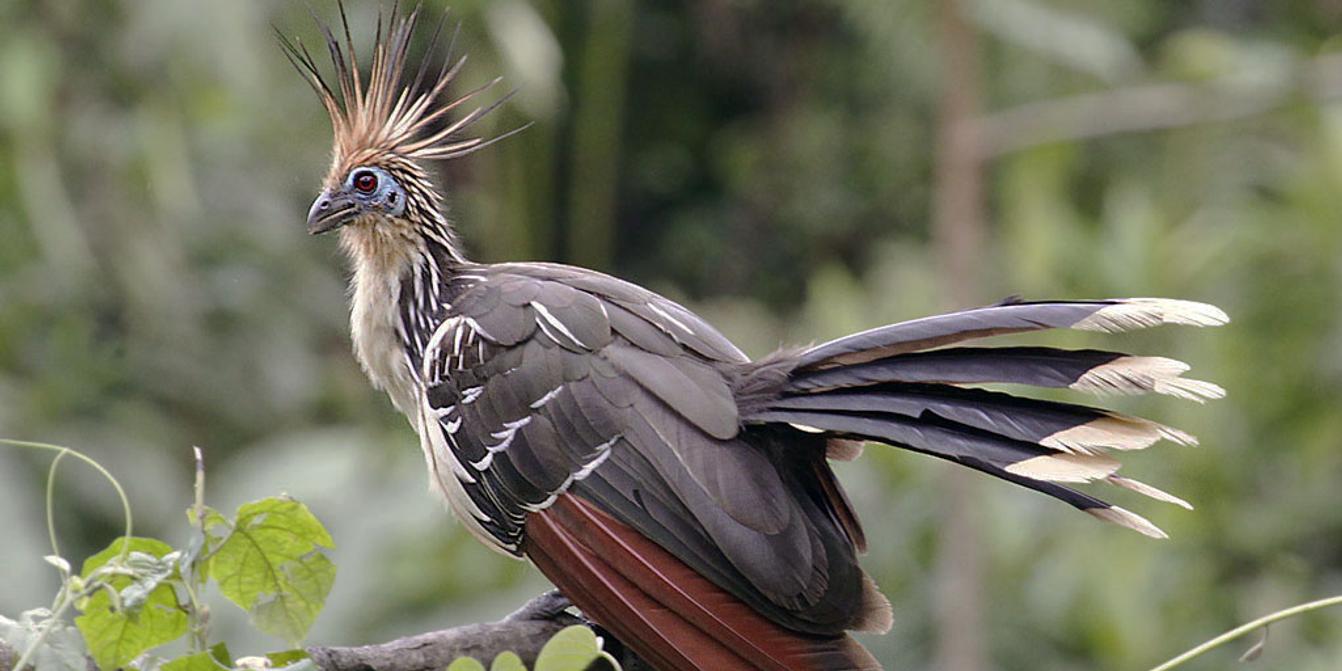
768 162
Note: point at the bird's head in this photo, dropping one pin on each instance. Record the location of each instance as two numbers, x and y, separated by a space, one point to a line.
368 193
387 127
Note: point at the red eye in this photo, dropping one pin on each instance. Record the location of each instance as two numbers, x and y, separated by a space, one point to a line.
365 181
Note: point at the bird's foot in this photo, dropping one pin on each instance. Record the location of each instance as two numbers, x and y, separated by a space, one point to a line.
550 605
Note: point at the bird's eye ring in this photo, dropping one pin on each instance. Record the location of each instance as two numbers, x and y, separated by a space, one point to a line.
365 181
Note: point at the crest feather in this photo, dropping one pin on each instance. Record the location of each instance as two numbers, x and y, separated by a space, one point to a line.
386 115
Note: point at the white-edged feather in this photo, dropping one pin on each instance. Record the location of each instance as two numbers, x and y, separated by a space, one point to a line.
1129 519
1147 490
1139 374
1065 467
1114 432
1138 313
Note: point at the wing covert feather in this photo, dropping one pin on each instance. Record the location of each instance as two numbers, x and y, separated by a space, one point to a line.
548 381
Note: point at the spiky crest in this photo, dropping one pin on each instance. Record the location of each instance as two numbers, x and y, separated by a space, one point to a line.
386 118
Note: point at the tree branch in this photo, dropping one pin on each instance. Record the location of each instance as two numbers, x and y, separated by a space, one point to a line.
524 632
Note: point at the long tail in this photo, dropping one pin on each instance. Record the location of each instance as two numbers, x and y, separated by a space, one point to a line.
889 385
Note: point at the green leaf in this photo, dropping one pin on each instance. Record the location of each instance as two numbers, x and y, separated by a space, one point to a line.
220 652
62 650
287 657
148 615
216 659
466 664
149 572
574 648
272 564
215 528
201 661
507 661
152 548
215 524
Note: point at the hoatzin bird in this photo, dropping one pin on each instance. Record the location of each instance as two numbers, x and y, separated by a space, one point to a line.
675 490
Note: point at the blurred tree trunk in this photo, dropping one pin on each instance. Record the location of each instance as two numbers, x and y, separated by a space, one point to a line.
597 130
957 228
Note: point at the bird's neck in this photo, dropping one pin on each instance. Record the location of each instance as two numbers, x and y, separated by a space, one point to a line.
395 301
395 246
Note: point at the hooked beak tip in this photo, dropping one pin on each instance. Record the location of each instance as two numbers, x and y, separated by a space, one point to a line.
329 213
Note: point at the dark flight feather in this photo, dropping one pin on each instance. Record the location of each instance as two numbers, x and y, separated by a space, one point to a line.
1036 366
1089 370
1051 423
1015 317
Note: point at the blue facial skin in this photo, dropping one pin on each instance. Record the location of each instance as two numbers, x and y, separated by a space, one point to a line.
367 190
387 198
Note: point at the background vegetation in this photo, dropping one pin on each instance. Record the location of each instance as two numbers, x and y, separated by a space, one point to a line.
774 164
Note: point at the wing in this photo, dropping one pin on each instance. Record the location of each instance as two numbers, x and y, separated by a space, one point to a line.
510 358
545 380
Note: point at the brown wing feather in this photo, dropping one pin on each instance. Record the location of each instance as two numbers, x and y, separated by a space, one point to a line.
669 614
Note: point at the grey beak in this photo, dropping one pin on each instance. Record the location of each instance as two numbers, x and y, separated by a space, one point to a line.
330 211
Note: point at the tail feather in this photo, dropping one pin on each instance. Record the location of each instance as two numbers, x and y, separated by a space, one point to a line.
1031 464
1062 426
1148 491
1088 370
1079 500
1040 472
891 385
1110 316
931 434
1085 502
899 385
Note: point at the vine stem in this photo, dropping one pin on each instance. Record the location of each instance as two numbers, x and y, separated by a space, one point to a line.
63 605
1246 628
195 582
62 451
199 485
51 503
